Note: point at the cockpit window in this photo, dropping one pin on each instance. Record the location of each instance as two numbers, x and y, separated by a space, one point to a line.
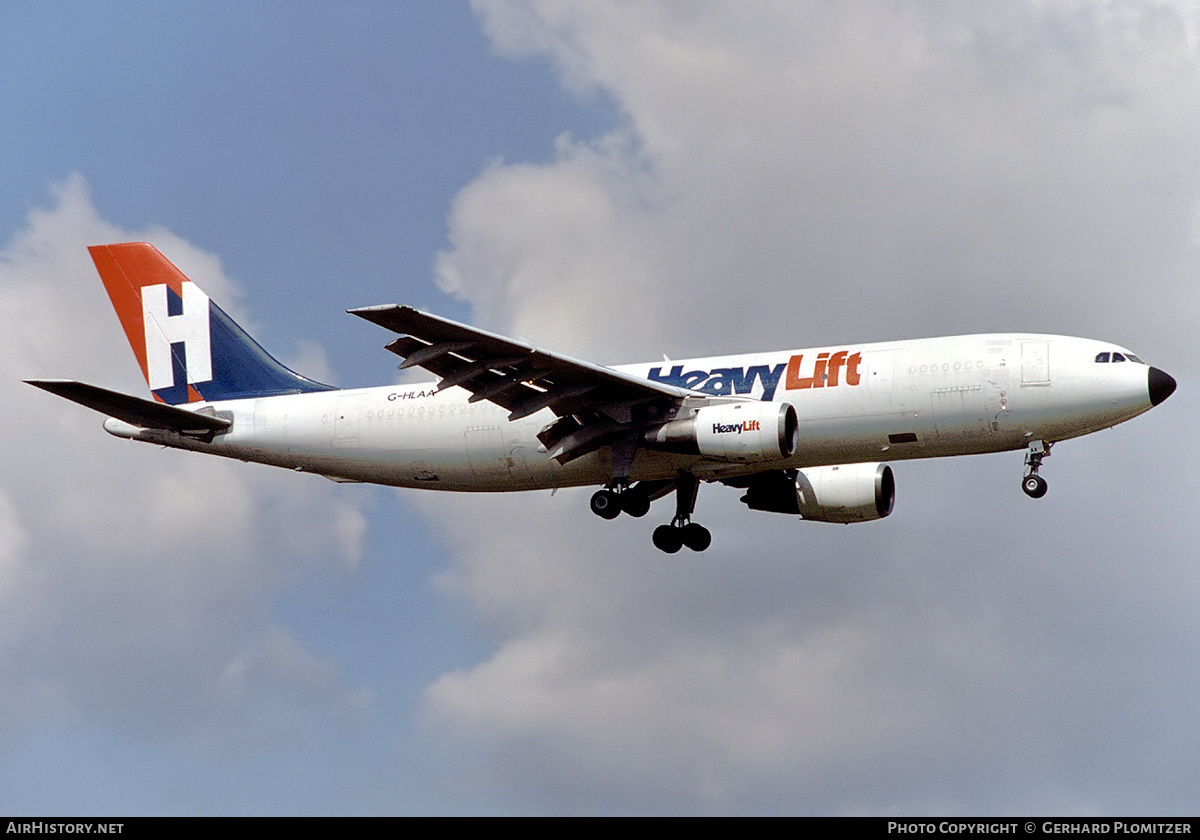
1114 356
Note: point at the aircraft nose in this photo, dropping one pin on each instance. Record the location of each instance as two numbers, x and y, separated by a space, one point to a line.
1161 384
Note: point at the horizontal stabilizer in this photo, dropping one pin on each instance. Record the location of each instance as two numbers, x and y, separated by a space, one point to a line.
133 410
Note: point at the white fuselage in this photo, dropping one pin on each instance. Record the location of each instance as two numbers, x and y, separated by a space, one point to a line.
855 403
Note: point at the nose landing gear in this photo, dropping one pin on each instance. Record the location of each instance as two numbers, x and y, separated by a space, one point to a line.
1033 484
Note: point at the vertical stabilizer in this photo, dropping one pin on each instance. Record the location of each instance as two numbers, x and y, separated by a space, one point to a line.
188 348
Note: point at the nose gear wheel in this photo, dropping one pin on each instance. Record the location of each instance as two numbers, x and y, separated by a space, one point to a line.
1033 484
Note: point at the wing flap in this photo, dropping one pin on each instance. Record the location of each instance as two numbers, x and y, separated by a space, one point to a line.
510 373
595 404
133 410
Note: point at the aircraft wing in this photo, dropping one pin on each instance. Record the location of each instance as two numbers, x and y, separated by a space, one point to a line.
595 405
133 410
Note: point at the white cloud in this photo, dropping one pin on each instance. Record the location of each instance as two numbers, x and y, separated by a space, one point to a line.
791 174
793 162
134 578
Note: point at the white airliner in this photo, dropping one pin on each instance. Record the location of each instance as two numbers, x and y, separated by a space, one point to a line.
801 432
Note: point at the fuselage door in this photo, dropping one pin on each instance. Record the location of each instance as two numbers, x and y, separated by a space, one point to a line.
347 422
485 451
1035 363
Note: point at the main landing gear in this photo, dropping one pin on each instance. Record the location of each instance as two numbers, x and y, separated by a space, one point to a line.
671 538
1033 484
612 500
635 500
682 530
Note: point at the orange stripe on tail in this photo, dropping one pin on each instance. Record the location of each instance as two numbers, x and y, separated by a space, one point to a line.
125 269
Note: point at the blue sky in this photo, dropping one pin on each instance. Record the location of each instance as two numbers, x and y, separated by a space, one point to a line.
180 635
256 126
362 120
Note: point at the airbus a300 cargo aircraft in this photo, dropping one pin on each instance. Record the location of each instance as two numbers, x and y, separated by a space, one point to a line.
801 432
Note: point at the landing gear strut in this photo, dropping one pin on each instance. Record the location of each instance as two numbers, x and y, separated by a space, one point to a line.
682 530
1033 484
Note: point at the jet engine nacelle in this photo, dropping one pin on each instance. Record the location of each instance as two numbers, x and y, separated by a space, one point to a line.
844 493
746 432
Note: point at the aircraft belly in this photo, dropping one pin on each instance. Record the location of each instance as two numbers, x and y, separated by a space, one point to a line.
434 441
1075 406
